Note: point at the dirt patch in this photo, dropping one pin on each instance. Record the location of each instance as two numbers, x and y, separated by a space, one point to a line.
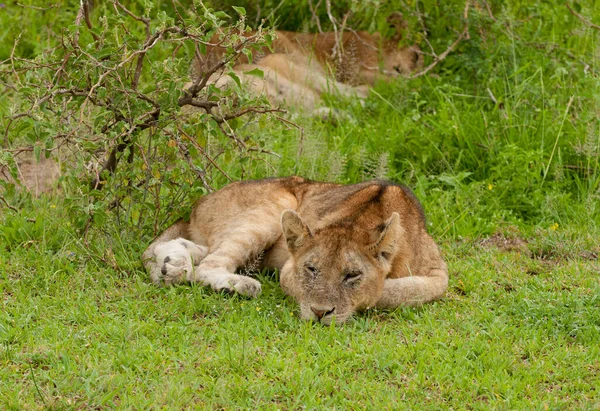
545 247
36 177
589 255
505 243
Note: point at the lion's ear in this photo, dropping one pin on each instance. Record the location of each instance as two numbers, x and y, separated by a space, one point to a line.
295 230
388 239
396 21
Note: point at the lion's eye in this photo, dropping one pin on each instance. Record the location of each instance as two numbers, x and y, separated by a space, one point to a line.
352 276
311 269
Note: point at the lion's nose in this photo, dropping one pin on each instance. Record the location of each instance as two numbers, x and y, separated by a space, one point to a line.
321 312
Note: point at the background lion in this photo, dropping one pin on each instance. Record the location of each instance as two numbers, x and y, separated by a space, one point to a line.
299 67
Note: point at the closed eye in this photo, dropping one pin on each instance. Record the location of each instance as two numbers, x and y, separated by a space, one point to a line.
311 269
352 276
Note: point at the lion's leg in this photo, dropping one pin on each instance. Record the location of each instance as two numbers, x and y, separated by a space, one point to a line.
232 247
217 270
429 282
415 290
250 237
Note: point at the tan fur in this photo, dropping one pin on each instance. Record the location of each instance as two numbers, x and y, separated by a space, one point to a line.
299 67
339 249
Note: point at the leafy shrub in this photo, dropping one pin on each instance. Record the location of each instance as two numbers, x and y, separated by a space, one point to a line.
119 84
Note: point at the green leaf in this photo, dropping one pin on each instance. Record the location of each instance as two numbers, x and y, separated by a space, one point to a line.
37 152
25 124
26 91
235 78
222 15
255 72
240 10
248 54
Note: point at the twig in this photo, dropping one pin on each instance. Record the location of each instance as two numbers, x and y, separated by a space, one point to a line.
464 34
259 110
204 104
10 121
88 22
424 29
111 163
140 58
149 44
337 51
580 17
78 19
489 10
313 11
202 80
203 152
40 8
8 205
494 100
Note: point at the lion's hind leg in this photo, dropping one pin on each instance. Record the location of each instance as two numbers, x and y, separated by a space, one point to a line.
170 255
177 259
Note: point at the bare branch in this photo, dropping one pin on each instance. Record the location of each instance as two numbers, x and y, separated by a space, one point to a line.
260 110
40 8
315 18
8 205
202 80
203 152
463 35
338 47
580 17
88 22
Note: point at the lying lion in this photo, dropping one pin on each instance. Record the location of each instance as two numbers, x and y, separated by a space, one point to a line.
338 248
299 67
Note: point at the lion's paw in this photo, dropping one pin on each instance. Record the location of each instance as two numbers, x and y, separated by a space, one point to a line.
240 284
177 258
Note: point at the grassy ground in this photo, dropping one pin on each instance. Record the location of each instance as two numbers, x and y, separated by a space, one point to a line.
501 144
82 327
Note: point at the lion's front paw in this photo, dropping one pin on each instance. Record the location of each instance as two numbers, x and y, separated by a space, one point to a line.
247 286
240 284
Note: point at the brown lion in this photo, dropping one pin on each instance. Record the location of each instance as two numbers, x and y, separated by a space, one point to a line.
299 67
338 248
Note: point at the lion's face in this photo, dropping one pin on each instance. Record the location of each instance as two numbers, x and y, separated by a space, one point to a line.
336 271
403 62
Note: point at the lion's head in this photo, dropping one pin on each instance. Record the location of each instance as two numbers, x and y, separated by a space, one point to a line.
402 61
338 270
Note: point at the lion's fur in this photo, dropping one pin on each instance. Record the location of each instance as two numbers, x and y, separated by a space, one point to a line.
299 67
318 235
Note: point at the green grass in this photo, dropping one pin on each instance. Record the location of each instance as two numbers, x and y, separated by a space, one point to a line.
82 327
512 193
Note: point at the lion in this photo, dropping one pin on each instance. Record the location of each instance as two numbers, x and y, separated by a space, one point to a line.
339 249
299 67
